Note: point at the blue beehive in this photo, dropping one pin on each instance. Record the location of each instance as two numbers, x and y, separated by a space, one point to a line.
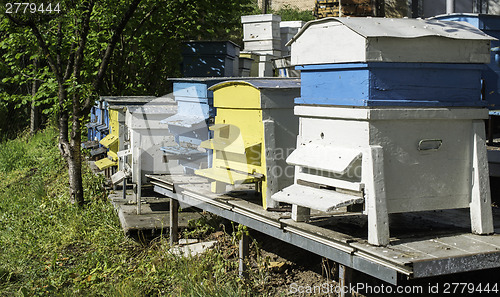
210 59
391 84
389 107
98 127
390 62
489 24
190 125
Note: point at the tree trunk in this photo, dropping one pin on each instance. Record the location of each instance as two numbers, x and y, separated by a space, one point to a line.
35 110
74 161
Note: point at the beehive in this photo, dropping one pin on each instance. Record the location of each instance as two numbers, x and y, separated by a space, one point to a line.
190 124
261 34
288 29
210 58
254 131
146 135
116 107
489 24
371 134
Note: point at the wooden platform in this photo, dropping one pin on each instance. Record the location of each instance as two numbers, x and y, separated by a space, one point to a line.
422 244
154 217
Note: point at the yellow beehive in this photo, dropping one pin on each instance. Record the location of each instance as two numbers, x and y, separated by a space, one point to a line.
111 142
115 140
255 130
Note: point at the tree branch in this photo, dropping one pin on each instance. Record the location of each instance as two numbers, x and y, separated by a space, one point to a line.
109 51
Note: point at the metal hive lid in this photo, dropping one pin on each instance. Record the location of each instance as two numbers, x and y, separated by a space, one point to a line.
402 28
283 83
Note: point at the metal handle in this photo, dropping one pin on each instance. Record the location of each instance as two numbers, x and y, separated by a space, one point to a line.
429 144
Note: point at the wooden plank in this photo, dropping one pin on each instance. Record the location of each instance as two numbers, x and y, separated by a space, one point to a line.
480 206
323 157
320 199
227 176
376 206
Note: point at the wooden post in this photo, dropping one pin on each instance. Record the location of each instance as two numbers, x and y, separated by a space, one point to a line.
174 221
480 206
376 204
243 254
300 214
218 187
345 278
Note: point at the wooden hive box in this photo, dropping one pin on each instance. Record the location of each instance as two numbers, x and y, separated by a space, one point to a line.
116 107
210 59
489 24
362 40
390 62
190 124
254 131
147 135
392 160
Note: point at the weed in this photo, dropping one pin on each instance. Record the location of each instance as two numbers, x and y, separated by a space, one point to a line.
51 247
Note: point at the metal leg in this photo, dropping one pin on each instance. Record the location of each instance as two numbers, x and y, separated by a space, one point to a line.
480 206
139 180
174 221
345 278
243 254
378 218
490 129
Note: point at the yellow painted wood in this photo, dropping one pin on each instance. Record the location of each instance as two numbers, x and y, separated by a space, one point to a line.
109 140
105 163
236 95
238 141
227 176
114 126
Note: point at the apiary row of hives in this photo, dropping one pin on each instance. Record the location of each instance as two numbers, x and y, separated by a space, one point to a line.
387 116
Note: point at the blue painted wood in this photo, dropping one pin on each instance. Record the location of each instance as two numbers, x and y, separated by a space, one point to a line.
210 48
391 84
489 24
98 127
194 100
208 66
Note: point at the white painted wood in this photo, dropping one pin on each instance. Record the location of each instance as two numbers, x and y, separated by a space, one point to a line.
258 45
146 131
261 27
376 203
480 206
346 40
327 181
218 187
319 199
324 158
390 113
300 214
273 180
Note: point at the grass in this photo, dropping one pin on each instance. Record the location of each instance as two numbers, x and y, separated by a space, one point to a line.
50 247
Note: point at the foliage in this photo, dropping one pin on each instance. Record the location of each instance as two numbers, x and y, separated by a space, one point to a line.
50 247
291 13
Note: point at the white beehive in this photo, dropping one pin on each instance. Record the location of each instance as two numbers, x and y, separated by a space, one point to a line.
393 160
346 40
261 34
147 135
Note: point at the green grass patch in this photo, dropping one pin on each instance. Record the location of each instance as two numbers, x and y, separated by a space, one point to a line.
50 247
